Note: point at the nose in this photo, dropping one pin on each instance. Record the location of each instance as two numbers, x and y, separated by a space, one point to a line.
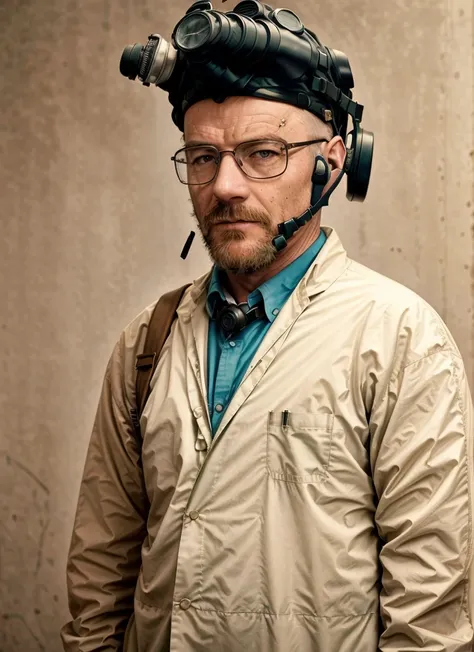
230 185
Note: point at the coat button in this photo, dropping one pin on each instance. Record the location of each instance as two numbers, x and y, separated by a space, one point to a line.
194 515
200 444
185 604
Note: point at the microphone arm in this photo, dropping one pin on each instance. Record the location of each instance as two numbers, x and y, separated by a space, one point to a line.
289 228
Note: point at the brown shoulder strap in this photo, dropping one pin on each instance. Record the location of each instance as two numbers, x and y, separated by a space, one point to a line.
159 328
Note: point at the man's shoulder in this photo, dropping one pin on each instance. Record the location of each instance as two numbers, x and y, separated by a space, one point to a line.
400 312
370 287
390 294
131 342
134 333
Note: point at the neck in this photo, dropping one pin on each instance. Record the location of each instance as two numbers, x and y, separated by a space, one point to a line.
241 285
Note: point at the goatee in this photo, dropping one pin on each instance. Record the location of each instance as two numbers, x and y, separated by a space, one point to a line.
257 256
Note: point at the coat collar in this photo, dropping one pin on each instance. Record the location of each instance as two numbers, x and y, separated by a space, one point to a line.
328 265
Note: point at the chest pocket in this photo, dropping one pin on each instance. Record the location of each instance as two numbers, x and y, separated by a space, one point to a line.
299 446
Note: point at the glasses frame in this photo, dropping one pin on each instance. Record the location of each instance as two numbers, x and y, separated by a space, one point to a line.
219 153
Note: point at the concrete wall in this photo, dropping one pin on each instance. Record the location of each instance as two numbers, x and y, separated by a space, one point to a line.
93 222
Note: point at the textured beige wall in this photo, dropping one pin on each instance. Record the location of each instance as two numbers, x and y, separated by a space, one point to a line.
93 222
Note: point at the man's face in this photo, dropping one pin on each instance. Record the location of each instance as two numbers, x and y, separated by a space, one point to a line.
238 216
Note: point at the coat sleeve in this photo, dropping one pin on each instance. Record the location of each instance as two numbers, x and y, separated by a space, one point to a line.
110 525
422 470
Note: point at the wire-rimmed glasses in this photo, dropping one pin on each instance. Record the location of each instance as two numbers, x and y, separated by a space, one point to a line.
266 158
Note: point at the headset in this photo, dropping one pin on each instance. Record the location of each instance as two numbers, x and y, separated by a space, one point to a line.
259 51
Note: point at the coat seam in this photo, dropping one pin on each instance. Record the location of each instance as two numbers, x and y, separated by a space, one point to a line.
446 348
295 613
266 613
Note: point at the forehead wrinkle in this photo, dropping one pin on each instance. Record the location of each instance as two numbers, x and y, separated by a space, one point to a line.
260 124
236 131
296 124
252 120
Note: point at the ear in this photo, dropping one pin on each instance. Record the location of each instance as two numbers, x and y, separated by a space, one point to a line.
335 153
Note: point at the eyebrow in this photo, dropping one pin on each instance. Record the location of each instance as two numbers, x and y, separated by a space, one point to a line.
195 143
268 136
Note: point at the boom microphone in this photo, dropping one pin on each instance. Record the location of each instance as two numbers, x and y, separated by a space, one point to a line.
289 228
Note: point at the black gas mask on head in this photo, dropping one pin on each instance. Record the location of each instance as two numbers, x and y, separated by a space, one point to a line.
258 51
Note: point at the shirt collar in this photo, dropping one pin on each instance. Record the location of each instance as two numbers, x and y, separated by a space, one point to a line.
273 292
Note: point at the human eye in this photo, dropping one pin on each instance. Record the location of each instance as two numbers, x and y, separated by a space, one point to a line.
264 151
264 154
200 157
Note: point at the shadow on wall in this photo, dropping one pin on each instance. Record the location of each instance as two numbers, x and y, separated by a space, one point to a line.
24 520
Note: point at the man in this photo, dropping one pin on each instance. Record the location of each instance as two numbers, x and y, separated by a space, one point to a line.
302 484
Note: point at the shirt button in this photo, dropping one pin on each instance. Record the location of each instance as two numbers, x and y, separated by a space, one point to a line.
219 407
232 344
194 515
275 312
185 604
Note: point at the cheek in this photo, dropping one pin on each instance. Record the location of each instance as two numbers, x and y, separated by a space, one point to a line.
199 200
294 197
299 188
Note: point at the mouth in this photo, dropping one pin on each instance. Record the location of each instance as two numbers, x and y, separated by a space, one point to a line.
234 223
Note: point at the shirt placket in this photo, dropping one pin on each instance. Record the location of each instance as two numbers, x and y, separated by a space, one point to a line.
229 356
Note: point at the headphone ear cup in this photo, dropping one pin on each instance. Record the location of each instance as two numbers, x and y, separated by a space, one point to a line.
358 165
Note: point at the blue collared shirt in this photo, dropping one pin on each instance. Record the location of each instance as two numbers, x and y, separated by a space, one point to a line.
228 360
